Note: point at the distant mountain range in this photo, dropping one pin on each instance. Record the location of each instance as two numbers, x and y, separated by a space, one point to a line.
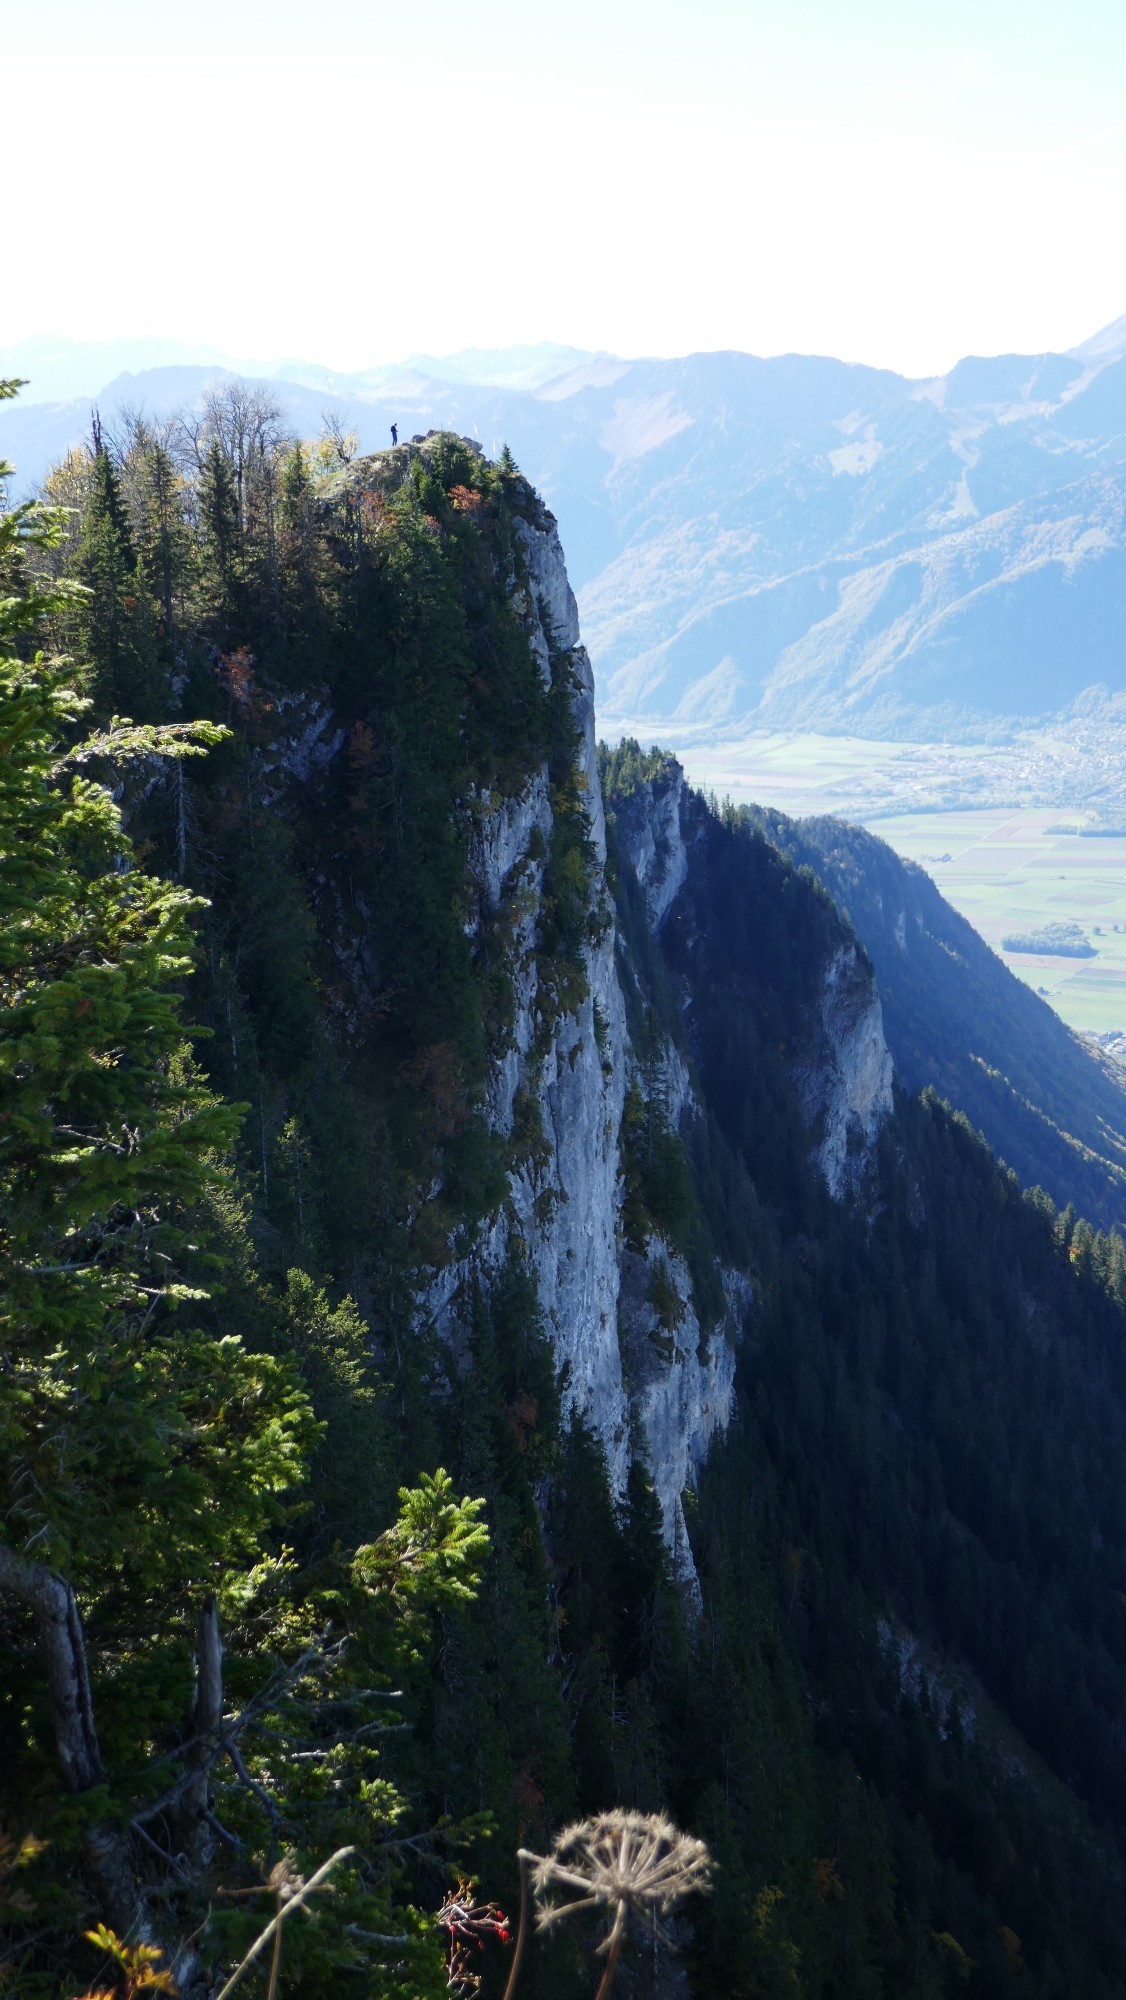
788 543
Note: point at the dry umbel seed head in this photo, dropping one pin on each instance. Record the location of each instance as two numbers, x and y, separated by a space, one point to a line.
626 1863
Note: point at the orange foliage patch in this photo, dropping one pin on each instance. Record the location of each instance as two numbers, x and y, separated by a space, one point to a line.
521 1417
235 672
826 1880
436 1073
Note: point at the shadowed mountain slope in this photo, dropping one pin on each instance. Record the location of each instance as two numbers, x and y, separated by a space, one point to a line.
959 1020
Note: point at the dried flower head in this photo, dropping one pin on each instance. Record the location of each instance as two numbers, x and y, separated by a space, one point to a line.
632 1863
284 1879
469 1923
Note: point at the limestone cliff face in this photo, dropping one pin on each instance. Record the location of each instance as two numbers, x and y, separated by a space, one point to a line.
564 1196
619 1368
681 1378
847 1088
652 841
844 1069
633 1358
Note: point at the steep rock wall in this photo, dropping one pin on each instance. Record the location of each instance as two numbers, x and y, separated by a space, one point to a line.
652 841
566 1075
847 1089
681 1379
565 1071
633 1359
844 1073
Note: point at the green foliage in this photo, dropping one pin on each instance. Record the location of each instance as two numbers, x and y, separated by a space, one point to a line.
150 1455
116 621
627 769
220 539
109 1143
658 1184
431 1555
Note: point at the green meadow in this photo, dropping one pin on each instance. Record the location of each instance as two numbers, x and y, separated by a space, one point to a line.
1014 872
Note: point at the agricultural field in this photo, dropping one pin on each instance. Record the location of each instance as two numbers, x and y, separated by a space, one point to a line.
1011 873
1009 869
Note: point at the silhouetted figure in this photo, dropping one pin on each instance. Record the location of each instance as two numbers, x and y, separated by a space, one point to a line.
394 433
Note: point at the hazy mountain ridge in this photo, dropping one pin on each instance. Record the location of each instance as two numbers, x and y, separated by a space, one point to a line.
795 542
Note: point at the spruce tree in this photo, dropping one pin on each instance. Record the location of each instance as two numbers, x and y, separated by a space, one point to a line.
163 542
116 621
221 543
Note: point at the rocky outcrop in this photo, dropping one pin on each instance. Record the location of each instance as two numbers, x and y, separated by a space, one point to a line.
563 1073
681 1379
637 1371
652 841
844 1076
633 1359
553 625
846 1090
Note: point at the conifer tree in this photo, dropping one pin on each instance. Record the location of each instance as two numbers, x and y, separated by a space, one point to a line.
145 1453
116 621
162 535
113 1459
221 540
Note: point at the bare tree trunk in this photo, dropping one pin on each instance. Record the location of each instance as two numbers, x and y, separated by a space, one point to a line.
51 1602
207 1720
193 1823
181 823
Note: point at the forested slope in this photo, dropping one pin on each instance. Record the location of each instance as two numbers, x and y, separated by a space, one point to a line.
932 1419
855 1618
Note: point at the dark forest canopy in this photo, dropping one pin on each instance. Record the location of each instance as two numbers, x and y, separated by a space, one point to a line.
896 1714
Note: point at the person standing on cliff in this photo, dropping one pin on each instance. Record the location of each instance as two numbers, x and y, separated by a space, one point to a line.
394 433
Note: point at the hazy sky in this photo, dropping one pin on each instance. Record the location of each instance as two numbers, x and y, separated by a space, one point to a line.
347 180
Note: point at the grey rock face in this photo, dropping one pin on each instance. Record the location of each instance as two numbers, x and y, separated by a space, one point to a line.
845 1078
847 1090
619 1368
653 843
564 1200
308 744
633 1358
681 1381
555 609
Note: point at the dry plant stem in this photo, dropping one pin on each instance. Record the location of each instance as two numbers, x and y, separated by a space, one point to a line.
613 1946
611 1968
275 1962
514 1973
284 1910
